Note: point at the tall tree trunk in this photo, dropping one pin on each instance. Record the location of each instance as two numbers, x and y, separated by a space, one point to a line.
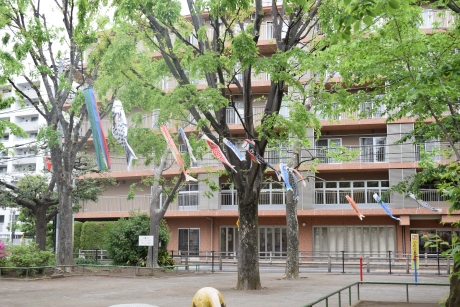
248 254
40 226
292 259
454 296
65 237
155 218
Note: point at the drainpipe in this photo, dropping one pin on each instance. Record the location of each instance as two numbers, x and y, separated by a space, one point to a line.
212 226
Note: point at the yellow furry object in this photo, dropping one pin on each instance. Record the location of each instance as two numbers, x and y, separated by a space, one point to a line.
208 297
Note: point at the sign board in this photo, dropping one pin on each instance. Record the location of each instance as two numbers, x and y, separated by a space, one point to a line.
414 249
145 240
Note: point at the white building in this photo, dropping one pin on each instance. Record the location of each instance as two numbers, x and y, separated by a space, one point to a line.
20 155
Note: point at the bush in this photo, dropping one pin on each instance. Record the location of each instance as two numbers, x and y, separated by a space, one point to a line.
29 256
77 226
164 259
95 234
85 261
122 243
3 254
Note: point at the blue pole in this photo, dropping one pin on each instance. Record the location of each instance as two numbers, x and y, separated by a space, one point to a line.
415 267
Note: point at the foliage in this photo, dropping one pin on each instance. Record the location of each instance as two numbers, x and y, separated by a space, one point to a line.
85 261
164 259
77 226
450 249
123 239
94 234
3 254
29 256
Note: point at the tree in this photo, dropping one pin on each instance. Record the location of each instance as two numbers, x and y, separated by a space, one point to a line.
414 75
47 44
36 196
226 59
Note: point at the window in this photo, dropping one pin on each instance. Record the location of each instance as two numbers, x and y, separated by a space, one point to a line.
373 149
3 169
333 192
373 240
189 241
429 146
5 138
276 155
188 197
34 119
228 197
269 30
272 241
324 146
228 242
2 221
444 234
232 116
272 194
371 109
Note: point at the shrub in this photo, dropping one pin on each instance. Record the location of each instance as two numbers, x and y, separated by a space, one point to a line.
122 243
164 259
85 261
29 256
77 226
3 254
95 234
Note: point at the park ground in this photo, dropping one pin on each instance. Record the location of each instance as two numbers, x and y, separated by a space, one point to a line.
177 290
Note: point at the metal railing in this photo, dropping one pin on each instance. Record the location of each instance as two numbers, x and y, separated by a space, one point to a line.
385 262
357 284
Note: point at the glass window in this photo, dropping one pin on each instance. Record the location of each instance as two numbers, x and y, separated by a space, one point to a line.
331 184
344 184
189 241
358 184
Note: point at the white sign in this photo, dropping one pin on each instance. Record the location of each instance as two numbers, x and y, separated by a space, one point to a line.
145 240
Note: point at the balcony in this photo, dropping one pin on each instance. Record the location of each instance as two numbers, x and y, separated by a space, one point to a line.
375 154
28 126
335 199
28 159
268 200
441 19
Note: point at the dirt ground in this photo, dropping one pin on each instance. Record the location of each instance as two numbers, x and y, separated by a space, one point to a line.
178 290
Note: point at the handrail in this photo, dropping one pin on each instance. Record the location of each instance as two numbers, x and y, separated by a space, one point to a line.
407 284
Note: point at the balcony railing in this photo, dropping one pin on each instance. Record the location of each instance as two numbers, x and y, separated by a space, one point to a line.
373 154
335 199
268 200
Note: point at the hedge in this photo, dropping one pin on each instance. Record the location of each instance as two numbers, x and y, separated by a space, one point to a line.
76 235
94 234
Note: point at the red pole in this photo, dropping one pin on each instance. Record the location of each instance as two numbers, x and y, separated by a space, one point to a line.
361 268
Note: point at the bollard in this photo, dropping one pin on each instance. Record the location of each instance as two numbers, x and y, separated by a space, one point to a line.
343 262
329 264
407 265
220 262
361 268
271 261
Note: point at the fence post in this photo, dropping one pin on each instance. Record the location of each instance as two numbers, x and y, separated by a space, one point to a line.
212 261
389 260
343 262
360 269
368 263
437 256
271 261
407 265
329 263
220 261
186 261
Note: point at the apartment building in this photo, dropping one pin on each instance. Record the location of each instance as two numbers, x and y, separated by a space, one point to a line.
327 223
20 155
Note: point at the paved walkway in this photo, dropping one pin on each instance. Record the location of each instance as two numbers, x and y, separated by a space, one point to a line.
178 290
